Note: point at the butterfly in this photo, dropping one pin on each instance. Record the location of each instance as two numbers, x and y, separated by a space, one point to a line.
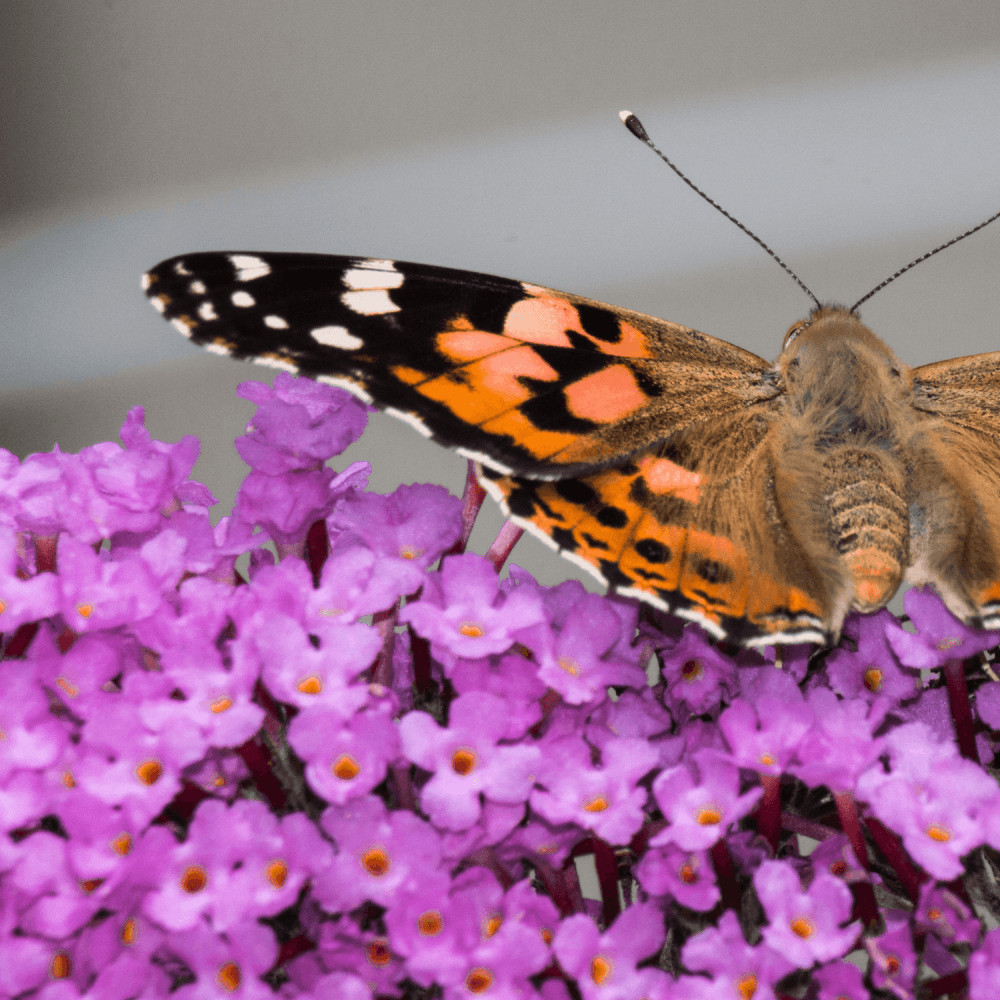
762 500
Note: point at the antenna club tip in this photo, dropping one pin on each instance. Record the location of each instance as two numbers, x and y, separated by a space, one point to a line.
633 125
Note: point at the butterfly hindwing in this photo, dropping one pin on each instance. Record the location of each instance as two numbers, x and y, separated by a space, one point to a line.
693 528
526 379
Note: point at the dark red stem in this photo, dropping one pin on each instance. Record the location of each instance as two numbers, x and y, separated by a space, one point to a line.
500 550
961 711
889 845
725 874
317 548
864 895
769 810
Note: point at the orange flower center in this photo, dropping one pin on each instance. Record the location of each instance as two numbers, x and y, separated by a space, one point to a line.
194 879
378 952
492 924
472 630
872 679
310 685
149 771
570 666
85 610
221 704
479 980
692 670
375 861
129 931
229 977
122 844
708 815
346 767
938 833
803 927
746 986
463 761
61 966
689 872
595 805
430 923
276 873
600 969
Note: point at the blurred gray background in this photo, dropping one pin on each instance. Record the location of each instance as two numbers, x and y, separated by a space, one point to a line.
851 136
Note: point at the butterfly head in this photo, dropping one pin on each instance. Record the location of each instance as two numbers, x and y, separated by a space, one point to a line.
842 378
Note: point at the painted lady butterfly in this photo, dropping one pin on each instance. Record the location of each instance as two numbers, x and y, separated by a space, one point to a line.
762 500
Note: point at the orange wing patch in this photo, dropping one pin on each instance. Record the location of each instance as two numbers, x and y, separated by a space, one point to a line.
604 523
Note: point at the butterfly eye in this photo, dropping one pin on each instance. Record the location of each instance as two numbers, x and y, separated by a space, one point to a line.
793 331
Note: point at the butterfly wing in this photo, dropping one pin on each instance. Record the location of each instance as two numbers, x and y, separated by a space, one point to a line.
525 379
694 528
956 485
640 448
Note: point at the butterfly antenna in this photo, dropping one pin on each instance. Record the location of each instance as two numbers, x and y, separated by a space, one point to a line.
913 263
635 127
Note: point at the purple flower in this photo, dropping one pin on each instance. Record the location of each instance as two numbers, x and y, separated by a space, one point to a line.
696 674
984 968
295 671
344 759
871 672
941 816
299 424
700 810
836 856
737 970
805 927
940 635
418 522
32 737
23 600
355 582
840 745
840 981
379 853
286 505
466 759
893 959
510 677
939 911
687 876
583 658
607 800
462 613
604 965
765 738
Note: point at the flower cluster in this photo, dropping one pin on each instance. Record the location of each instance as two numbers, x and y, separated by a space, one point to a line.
365 766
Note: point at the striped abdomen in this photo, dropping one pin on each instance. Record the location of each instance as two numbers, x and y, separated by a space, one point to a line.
869 522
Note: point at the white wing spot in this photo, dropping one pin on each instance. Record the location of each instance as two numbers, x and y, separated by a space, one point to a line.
411 418
217 348
145 281
478 456
242 299
273 361
179 268
275 322
345 383
336 336
207 311
377 264
360 279
248 267
197 287
643 595
183 324
371 302
159 303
